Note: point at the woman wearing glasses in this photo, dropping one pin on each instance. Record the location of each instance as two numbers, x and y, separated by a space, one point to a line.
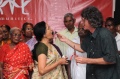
17 57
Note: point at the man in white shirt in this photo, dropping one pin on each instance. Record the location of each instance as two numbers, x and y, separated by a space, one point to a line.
71 32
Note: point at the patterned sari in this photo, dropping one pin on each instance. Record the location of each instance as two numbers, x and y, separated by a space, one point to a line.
17 61
58 73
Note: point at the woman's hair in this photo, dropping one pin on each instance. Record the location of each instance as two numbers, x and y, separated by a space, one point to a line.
93 15
39 30
25 25
13 29
7 27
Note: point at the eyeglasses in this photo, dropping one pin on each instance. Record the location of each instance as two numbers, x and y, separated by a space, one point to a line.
19 35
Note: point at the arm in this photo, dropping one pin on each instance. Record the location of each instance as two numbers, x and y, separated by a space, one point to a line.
70 43
99 61
108 50
43 68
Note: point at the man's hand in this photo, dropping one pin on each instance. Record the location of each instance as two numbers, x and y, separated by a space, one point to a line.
81 60
61 38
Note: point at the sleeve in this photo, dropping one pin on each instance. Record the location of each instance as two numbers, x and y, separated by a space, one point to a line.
109 47
2 52
41 49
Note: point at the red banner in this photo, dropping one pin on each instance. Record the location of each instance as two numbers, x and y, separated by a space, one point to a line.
16 12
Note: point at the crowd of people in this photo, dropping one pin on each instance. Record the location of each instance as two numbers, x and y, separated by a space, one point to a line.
90 51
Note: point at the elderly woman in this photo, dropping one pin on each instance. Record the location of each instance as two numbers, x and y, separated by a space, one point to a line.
17 57
48 62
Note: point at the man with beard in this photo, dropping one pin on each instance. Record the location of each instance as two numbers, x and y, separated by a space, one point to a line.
103 61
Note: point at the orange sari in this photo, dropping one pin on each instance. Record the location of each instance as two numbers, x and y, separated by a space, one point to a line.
6 42
17 61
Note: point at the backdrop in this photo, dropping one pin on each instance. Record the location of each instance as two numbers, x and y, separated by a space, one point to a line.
16 12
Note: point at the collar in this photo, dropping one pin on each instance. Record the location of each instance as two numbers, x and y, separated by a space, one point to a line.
94 34
75 30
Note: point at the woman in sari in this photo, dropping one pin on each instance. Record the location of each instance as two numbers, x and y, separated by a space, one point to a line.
48 62
1 43
17 57
6 34
1 58
27 31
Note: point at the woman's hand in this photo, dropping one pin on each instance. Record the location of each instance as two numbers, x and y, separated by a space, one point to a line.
31 67
63 61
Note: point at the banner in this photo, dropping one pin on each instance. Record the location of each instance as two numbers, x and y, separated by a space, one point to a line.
16 12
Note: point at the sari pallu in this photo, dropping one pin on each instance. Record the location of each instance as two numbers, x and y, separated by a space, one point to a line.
17 61
57 73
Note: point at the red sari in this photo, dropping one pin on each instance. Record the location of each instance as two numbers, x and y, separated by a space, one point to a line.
17 61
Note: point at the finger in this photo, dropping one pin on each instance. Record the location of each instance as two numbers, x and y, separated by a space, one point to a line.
78 60
59 35
66 58
76 57
80 22
66 63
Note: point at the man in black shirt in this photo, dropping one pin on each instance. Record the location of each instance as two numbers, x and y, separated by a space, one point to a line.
103 61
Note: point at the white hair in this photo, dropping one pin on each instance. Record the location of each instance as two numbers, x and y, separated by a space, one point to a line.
13 29
69 15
